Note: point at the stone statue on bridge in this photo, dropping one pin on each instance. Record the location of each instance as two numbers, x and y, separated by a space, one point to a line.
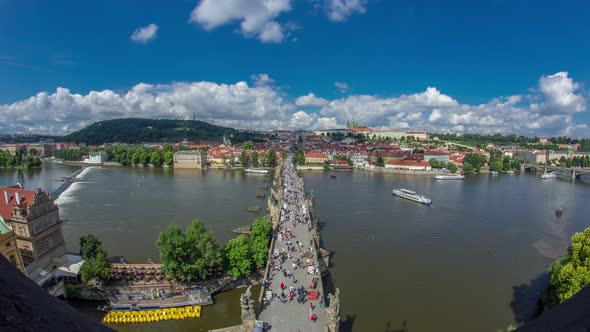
247 304
333 311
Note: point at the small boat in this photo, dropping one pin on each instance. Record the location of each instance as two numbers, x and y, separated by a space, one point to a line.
510 172
260 195
559 212
103 308
546 176
256 171
412 196
494 173
254 208
449 177
333 176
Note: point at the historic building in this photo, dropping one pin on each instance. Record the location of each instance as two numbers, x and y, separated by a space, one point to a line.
190 159
8 246
34 218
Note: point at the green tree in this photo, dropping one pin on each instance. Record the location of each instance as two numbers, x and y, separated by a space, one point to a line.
248 145
271 158
232 161
156 158
89 246
169 158
254 159
452 167
476 160
204 248
468 168
506 163
135 157
496 165
380 161
326 165
434 163
300 157
570 274
261 236
244 159
144 158
188 257
97 269
237 257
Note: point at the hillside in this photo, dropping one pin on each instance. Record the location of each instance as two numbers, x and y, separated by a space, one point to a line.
137 130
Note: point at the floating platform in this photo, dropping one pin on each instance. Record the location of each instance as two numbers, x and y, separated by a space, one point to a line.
254 208
148 316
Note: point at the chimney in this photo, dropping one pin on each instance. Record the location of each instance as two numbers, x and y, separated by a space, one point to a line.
6 197
17 197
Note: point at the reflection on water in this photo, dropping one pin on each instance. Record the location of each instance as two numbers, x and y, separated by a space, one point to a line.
470 262
474 261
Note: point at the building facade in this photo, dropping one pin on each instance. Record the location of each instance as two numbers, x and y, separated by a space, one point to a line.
315 158
190 159
8 246
34 218
97 157
408 165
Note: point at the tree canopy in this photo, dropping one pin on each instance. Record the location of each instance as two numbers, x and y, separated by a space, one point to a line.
571 273
237 257
188 257
89 246
260 237
96 268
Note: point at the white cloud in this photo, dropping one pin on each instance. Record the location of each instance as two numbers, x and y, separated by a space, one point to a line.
342 86
560 92
145 34
549 110
340 10
311 100
262 79
257 17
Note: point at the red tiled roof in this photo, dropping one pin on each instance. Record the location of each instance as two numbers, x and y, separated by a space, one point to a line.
407 162
315 155
27 197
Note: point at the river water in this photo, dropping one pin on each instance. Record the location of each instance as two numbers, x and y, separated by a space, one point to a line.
474 261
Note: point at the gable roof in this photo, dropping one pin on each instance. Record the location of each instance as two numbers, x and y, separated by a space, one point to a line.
8 199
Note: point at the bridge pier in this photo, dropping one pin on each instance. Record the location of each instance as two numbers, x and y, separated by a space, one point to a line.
573 174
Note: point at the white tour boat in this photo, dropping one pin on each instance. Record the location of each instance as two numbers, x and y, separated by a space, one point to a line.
412 196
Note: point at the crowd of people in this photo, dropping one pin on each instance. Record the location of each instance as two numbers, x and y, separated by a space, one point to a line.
292 257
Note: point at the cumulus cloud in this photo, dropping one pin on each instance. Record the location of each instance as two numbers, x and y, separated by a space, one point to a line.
340 10
262 79
342 86
145 34
311 100
257 18
556 100
549 110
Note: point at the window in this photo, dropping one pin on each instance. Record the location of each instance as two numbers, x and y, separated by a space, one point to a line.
8 244
48 243
12 260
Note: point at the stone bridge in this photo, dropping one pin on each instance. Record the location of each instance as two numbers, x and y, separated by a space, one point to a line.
573 172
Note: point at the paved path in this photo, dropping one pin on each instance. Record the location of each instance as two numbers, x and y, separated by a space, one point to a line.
293 246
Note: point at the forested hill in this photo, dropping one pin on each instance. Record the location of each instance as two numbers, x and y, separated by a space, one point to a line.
137 130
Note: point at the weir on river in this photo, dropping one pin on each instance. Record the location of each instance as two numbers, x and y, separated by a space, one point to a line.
293 296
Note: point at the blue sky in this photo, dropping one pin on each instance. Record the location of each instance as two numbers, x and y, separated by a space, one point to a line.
368 60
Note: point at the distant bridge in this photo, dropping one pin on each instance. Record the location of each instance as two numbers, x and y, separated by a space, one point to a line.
573 172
